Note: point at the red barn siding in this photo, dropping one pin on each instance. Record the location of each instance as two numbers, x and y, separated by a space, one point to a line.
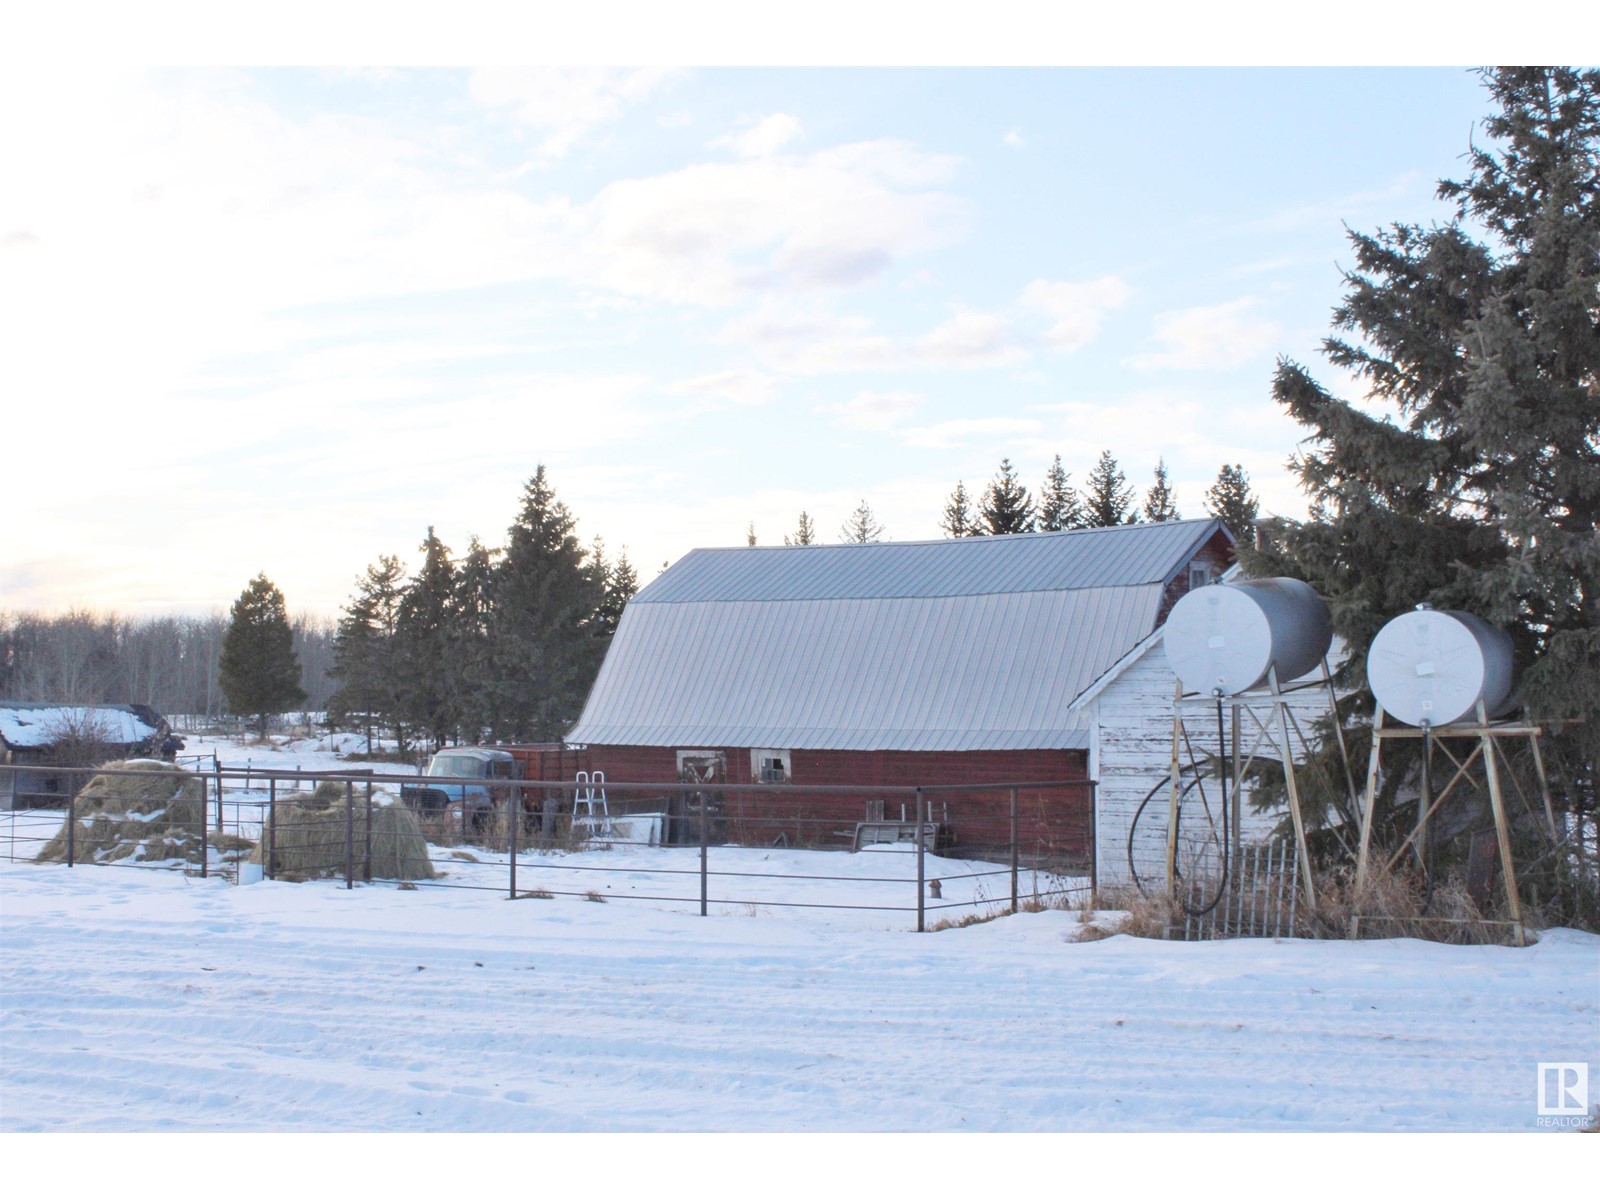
1055 821
1217 554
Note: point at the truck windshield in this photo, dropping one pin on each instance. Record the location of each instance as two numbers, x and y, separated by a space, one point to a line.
460 766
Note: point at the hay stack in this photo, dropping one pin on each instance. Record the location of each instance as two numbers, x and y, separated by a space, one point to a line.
154 813
308 841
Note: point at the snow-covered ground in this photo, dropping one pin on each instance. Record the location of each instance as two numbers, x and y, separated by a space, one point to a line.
149 1000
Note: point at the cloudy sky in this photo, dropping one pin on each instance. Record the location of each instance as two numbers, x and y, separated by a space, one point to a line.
284 320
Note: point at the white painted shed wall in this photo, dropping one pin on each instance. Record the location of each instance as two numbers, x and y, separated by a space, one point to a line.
1131 730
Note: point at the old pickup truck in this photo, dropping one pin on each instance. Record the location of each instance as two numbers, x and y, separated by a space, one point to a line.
470 795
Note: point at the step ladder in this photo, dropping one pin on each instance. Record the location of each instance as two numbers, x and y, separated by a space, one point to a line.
591 817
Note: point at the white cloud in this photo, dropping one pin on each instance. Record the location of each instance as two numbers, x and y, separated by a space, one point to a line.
713 232
807 340
1077 309
1211 337
766 137
562 103
1014 139
951 434
970 339
741 387
874 410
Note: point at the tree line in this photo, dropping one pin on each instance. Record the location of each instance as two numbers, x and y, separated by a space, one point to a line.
1007 506
501 643
171 663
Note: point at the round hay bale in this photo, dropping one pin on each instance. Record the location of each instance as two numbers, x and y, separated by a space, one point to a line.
307 839
147 811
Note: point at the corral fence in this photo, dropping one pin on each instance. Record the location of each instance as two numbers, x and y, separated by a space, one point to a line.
938 853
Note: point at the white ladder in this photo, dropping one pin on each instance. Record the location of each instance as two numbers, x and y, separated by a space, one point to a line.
590 813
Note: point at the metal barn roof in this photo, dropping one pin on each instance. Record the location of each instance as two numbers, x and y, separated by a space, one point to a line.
1027 562
969 644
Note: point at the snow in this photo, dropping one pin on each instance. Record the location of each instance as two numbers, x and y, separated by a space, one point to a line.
143 999
43 725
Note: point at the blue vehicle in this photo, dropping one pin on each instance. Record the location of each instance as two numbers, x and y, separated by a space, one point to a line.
470 795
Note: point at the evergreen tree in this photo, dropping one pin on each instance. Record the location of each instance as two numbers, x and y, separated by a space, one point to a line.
1107 498
1158 501
365 653
1484 493
958 520
862 526
258 671
1230 500
544 653
621 583
424 650
1059 506
805 533
1006 506
469 640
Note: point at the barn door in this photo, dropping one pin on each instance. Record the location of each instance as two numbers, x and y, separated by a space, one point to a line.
710 768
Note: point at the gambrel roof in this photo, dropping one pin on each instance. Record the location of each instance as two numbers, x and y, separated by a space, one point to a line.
961 644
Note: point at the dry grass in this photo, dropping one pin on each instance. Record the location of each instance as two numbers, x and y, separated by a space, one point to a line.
966 922
307 837
1391 904
148 812
1141 916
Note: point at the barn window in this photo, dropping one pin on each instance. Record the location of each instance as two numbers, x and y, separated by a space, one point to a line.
769 766
1199 575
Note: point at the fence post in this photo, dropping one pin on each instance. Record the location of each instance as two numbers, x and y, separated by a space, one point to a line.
205 850
514 814
72 826
218 764
349 834
272 830
705 803
1013 850
921 864
367 873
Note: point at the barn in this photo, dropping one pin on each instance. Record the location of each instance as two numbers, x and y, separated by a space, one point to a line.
954 662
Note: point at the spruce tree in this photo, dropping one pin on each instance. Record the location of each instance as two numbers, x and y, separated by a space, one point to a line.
1006 506
1158 501
805 532
365 654
543 650
957 520
470 640
1059 506
862 526
1483 491
258 671
1107 497
621 582
425 659
1230 500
